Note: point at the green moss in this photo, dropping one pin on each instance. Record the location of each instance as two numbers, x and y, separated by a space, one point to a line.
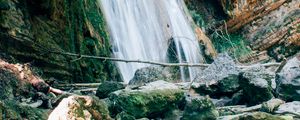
200 109
11 110
124 116
75 26
148 104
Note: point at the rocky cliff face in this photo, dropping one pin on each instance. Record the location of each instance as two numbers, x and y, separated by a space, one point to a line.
30 29
270 27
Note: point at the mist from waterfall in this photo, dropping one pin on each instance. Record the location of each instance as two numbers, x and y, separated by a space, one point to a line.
143 30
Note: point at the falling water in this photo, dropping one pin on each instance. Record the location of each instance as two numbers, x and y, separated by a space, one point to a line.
142 30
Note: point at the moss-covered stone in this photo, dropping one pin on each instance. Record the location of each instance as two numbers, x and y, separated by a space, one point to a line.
12 110
81 107
148 103
107 87
200 108
124 116
31 31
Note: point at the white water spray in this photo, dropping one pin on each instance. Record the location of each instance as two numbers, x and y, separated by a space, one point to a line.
141 30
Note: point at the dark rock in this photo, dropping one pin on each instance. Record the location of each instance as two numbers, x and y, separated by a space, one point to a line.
4 6
288 81
221 102
151 101
204 89
200 108
237 98
229 84
256 84
108 87
150 74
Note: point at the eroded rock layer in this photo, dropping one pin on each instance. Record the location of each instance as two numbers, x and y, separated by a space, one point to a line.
268 25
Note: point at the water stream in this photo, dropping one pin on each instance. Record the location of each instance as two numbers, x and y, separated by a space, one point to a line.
142 30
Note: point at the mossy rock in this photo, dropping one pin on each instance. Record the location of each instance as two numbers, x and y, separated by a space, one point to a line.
124 116
107 87
200 108
81 107
11 87
12 110
148 103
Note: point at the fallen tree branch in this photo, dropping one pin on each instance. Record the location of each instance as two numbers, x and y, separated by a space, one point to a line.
23 73
150 62
80 85
240 108
79 56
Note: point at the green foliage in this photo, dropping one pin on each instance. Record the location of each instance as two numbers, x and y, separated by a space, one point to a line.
198 19
234 44
88 35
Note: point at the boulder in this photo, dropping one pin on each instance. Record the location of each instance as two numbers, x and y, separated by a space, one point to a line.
225 83
237 98
151 101
107 87
223 65
289 108
80 107
288 81
271 105
150 74
256 84
199 108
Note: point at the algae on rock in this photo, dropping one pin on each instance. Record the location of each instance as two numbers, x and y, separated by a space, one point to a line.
31 30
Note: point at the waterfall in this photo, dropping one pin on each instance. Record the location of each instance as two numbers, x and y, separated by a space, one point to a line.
142 30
